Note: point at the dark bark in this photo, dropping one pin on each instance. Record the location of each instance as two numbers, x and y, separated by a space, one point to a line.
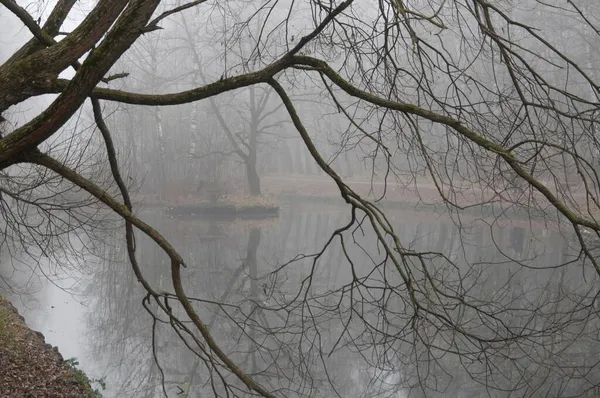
51 27
19 76
253 178
123 34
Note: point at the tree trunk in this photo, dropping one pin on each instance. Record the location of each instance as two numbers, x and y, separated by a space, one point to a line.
253 178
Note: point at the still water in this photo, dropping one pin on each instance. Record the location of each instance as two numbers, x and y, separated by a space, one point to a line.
332 325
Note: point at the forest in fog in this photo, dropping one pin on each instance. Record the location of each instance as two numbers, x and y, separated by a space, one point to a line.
399 198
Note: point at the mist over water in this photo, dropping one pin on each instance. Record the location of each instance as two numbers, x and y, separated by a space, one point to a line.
99 319
322 198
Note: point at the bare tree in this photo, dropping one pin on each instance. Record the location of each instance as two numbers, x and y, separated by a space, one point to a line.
248 134
484 97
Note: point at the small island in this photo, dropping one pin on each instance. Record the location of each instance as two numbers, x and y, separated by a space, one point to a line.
228 207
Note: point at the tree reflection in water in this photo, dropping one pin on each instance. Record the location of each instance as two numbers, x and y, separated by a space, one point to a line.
269 306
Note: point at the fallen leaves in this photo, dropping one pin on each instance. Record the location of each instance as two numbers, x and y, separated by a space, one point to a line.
29 366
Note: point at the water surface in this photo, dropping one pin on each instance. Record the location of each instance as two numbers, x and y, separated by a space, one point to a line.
351 310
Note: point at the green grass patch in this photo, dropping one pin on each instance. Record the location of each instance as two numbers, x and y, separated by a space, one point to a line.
83 380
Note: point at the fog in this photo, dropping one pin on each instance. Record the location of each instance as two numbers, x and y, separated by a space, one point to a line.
304 199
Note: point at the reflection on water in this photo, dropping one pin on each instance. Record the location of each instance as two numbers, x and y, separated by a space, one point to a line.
273 322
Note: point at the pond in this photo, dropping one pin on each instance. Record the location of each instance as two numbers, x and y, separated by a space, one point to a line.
509 316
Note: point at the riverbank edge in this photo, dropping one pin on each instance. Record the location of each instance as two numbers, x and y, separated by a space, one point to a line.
421 197
33 368
481 210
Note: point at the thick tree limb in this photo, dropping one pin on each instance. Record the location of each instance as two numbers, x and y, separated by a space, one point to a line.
16 78
184 97
28 21
127 29
265 74
457 126
176 259
51 27
93 189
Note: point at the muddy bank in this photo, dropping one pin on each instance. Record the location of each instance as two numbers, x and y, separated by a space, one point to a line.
31 368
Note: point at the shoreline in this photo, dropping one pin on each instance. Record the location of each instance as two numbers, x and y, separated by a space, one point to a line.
31 367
